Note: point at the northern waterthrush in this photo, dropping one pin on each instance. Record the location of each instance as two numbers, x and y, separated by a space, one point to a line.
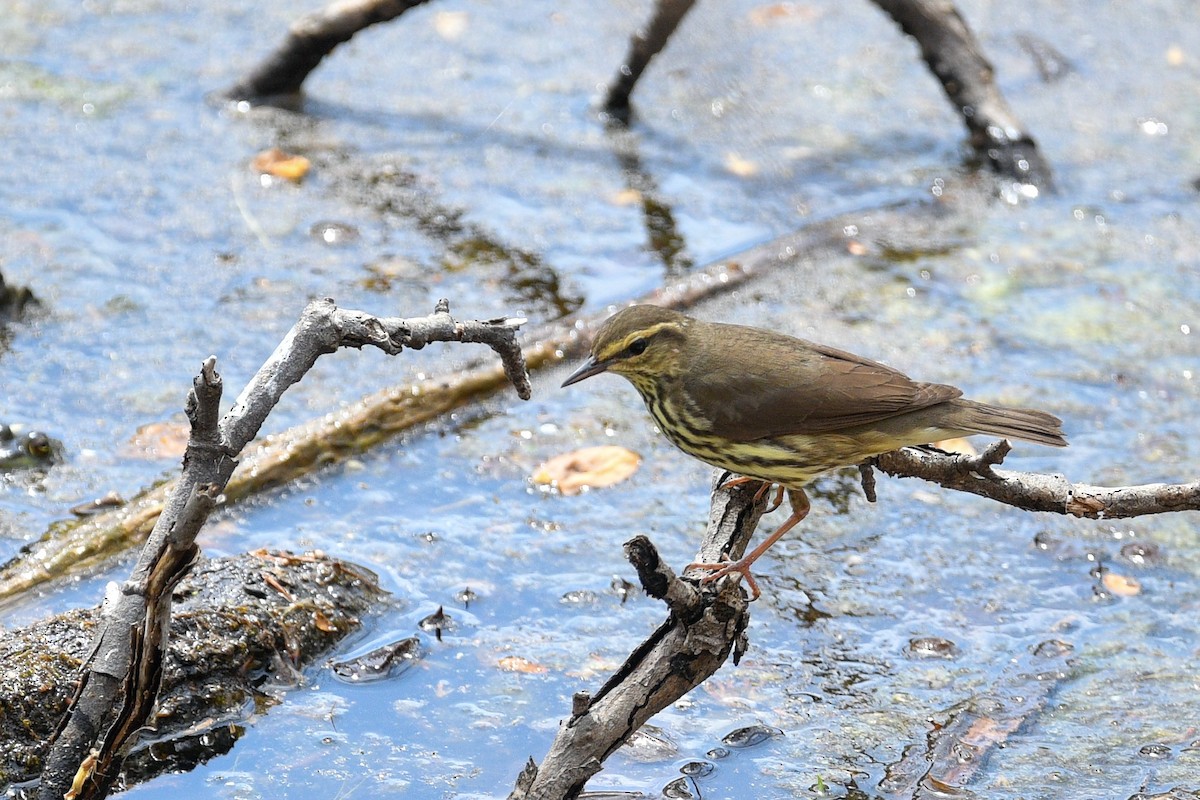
781 410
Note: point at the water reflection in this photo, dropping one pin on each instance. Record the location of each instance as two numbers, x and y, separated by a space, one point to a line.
663 236
401 198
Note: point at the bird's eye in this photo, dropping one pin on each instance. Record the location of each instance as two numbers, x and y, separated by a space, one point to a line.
637 347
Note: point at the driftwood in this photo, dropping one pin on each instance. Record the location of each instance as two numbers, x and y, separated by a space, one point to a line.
240 623
121 676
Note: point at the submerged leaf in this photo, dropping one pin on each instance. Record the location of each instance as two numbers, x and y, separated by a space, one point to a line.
280 164
591 467
520 664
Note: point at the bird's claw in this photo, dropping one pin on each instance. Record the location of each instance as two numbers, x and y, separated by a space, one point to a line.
727 567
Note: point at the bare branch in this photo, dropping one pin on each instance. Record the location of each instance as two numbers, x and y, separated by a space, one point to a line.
121 679
1035 492
323 328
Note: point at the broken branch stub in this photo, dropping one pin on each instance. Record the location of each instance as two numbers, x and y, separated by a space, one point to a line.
703 627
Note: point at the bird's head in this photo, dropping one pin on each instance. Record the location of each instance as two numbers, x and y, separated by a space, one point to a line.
642 343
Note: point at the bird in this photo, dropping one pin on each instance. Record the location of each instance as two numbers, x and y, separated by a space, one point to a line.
780 410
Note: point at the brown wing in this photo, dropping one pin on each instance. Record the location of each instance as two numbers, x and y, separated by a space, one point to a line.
784 385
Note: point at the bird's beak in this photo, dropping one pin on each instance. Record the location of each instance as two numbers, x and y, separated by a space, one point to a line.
586 370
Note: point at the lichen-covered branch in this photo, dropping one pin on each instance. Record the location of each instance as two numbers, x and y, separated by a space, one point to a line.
1036 492
120 679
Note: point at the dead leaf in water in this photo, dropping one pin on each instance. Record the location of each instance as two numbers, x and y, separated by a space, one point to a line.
451 25
281 165
158 440
520 664
741 167
776 12
591 467
626 197
1121 585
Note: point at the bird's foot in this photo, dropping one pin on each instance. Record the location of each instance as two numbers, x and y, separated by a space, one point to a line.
727 567
764 487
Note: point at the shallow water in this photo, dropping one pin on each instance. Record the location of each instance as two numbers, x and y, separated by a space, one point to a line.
460 145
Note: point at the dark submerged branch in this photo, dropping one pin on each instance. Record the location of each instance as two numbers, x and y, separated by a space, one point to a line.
962 738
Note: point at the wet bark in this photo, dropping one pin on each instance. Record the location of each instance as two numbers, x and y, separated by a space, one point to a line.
704 625
240 624
643 47
308 41
954 56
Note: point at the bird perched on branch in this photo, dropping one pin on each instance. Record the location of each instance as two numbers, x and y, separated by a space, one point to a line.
781 410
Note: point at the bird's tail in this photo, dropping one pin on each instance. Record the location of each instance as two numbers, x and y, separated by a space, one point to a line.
1011 423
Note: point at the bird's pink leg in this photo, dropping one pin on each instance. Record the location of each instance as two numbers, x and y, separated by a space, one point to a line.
800 509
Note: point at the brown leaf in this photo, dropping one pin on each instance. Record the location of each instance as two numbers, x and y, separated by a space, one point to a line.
775 12
281 165
159 440
520 664
626 197
592 467
741 167
451 25
1121 585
